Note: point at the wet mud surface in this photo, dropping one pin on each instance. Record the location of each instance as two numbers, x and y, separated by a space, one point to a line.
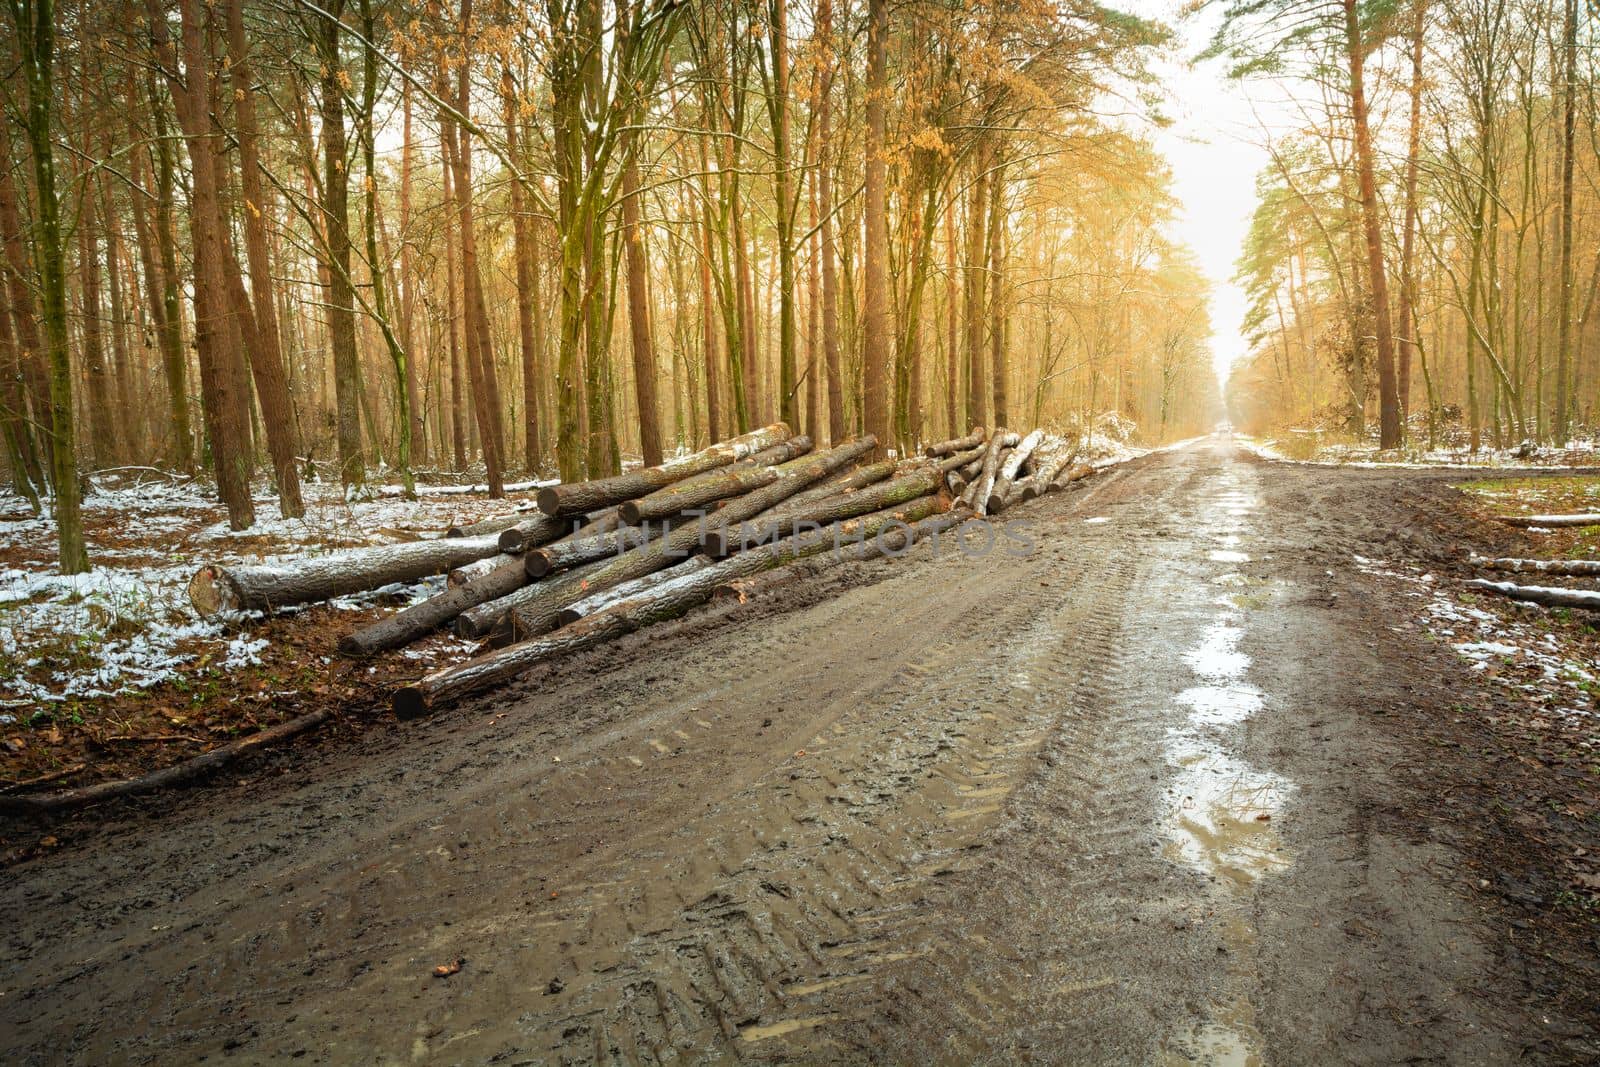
1153 792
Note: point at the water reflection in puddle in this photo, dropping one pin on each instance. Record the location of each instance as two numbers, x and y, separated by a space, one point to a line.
1223 812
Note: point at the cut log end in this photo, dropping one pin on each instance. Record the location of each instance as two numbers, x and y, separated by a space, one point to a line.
537 564
210 592
409 704
549 500
629 512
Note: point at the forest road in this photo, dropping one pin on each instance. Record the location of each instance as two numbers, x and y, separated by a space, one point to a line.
1129 797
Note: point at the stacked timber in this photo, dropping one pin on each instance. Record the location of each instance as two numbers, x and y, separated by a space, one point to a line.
606 557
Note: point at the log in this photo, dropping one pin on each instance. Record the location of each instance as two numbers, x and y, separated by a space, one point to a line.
575 551
489 526
532 532
1015 494
1569 567
478 568
742 589
574 497
664 600
955 483
485 672
1549 596
959 460
959 444
618 593
70 799
696 492
1077 472
264 587
1552 521
482 620
782 452
421 619
787 520
1000 491
844 481
1050 460
540 612
977 495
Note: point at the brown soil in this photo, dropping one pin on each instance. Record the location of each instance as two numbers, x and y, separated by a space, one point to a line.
1183 785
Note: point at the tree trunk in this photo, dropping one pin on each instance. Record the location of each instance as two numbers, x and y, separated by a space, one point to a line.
1548 596
1569 87
639 325
522 246
1390 429
341 315
977 494
222 377
977 246
589 605
876 325
892 540
997 295
268 587
825 208
1406 340
266 355
575 552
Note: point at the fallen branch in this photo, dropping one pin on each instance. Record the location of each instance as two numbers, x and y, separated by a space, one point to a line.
69 799
1549 596
1570 567
1552 521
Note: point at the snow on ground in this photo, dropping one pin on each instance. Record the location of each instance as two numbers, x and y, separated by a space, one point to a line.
127 624
1512 644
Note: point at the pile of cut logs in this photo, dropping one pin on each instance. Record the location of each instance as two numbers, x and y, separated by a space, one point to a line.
588 561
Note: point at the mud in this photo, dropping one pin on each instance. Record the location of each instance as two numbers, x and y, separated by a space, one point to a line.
1154 792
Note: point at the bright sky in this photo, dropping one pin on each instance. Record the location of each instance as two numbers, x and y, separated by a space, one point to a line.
1214 147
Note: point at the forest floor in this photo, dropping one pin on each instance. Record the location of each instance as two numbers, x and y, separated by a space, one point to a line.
1226 765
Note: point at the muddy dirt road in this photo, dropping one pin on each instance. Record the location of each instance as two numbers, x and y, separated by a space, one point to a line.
1141 794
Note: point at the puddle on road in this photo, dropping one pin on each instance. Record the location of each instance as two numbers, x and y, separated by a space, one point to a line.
1223 814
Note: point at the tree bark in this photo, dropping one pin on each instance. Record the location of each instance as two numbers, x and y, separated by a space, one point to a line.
522 245
713 485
